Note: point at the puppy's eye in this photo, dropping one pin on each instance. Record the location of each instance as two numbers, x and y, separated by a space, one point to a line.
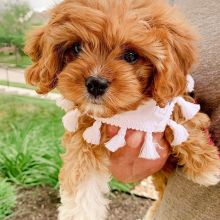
76 48
130 57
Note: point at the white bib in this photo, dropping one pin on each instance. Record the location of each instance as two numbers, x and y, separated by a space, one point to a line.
148 118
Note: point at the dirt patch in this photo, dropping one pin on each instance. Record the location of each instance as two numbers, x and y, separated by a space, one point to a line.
42 203
36 204
127 207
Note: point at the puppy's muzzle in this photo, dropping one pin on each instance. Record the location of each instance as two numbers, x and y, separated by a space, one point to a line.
96 86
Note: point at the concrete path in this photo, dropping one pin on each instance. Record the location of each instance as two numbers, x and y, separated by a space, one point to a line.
17 76
12 75
27 92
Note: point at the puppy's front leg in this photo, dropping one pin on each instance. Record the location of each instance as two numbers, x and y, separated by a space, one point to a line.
84 181
199 158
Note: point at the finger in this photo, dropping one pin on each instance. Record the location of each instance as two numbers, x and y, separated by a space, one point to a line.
134 139
160 139
164 148
158 136
111 130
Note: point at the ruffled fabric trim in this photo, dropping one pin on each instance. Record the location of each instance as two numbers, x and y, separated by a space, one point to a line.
149 148
70 120
92 135
180 134
117 141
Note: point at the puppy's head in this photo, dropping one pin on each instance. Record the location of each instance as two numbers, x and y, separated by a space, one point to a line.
108 56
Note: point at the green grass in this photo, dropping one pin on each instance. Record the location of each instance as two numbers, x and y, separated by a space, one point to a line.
31 132
7 198
122 187
10 60
14 84
30 140
21 85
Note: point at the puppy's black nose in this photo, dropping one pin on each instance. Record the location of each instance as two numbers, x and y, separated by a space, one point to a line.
96 86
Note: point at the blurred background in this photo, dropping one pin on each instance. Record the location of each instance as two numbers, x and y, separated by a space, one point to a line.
31 131
31 128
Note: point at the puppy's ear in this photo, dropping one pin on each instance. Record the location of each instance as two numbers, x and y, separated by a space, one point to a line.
180 54
34 44
46 61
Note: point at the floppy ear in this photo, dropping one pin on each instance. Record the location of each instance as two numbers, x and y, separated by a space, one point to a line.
46 61
180 54
34 44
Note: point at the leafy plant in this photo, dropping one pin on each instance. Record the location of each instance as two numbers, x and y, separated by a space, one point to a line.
30 141
119 186
8 198
30 149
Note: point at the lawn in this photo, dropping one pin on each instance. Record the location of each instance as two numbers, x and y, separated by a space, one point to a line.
30 149
18 85
8 198
10 60
29 146
30 140
21 85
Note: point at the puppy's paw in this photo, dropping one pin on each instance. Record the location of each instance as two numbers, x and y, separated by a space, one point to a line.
203 168
208 178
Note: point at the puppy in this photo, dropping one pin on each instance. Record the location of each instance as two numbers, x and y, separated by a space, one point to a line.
133 50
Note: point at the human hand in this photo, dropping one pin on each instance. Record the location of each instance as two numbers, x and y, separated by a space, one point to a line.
125 164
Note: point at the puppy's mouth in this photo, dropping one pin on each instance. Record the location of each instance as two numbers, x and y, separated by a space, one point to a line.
94 108
95 101
96 91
